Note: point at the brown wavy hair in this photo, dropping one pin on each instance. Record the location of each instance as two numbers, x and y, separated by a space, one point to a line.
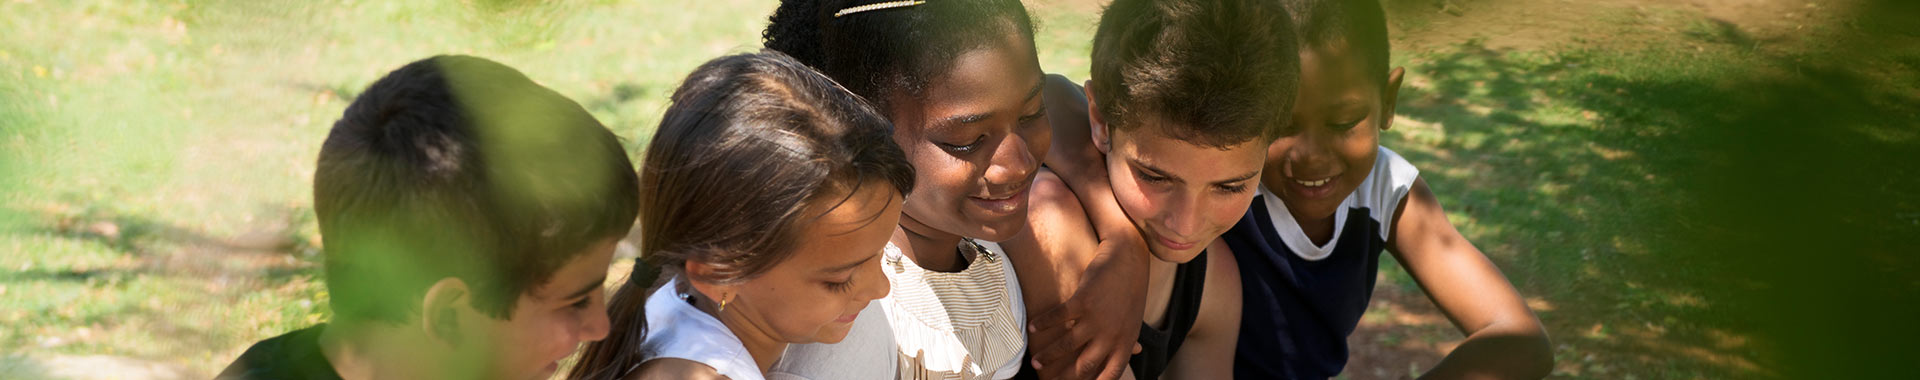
750 151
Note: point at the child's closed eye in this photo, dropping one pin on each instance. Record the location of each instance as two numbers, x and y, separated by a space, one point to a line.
1036 115
1233 188
1342 126
840 286
1150 178
962 148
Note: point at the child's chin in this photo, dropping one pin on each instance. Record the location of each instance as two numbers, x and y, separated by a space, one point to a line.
832 333
1000 228
1308 210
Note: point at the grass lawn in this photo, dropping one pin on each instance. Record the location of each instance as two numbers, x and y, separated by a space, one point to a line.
1701 191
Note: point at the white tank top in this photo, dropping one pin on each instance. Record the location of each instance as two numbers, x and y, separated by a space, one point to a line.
675 329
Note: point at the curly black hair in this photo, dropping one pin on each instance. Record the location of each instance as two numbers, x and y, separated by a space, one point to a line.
879 53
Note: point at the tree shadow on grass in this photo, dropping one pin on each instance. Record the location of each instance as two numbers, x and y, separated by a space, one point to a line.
1681 218
271 251
162 282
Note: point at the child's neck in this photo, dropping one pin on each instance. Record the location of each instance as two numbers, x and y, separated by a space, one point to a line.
373 350
757 337
1318 230
1160 275
931 248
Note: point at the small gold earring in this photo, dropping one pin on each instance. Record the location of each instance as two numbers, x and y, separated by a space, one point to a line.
723 305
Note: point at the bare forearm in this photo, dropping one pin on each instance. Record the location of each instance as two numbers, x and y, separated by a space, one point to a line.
1519 351
1072 154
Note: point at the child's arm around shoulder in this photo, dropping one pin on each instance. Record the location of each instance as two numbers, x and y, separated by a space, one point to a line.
1208 352
1504 339
1091 333
1050 255
674 368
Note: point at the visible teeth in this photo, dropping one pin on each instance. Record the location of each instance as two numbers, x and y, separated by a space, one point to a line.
1322 181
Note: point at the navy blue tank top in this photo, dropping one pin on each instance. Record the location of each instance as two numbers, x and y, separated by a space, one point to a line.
1301 300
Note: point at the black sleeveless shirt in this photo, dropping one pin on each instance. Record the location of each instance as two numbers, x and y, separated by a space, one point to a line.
1157 346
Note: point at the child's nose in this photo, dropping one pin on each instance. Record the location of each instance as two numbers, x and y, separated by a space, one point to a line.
877 287
1183 219
1012 162
596 326
1308 156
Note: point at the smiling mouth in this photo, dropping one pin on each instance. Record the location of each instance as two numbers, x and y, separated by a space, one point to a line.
1170 243
999 198
1314 183
1002 204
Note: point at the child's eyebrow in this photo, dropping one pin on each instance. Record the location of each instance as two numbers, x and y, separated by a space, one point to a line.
848 266
955 121
596 284
1242 177
1154 170
1347 107
1037 87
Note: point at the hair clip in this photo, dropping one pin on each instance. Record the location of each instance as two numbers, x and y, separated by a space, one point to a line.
878 6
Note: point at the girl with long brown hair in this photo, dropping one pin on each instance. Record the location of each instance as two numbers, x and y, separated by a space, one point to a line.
767 193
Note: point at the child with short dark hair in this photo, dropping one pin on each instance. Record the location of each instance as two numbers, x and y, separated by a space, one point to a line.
1333 199
468 216
1181 136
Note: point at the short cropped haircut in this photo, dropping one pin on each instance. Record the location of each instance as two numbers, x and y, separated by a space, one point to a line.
1359 26
1212 72
457 166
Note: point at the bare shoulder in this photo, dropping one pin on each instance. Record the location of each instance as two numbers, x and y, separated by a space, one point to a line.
1054 214
1220 303
1417 218
673 368
1058 244
1209 350
1221 264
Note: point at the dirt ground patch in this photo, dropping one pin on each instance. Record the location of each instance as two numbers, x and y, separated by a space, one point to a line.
1536 24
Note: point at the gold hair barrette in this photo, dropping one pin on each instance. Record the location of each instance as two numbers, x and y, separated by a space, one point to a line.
878 6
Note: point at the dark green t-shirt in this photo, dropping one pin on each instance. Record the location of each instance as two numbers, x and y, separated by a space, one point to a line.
295 355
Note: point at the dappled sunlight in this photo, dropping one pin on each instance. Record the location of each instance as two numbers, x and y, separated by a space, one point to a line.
1581 170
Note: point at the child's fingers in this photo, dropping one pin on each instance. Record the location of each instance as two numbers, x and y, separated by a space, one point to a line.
1054 318
1117 364
1058 354
1084 355
1090 361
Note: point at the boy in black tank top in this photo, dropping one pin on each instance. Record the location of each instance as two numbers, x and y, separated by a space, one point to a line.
1179 139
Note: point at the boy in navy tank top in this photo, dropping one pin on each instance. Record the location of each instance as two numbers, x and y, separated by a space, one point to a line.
1332 199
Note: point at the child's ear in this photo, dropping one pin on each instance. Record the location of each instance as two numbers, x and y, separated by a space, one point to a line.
440 310
1390 96
1095 123
697 273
